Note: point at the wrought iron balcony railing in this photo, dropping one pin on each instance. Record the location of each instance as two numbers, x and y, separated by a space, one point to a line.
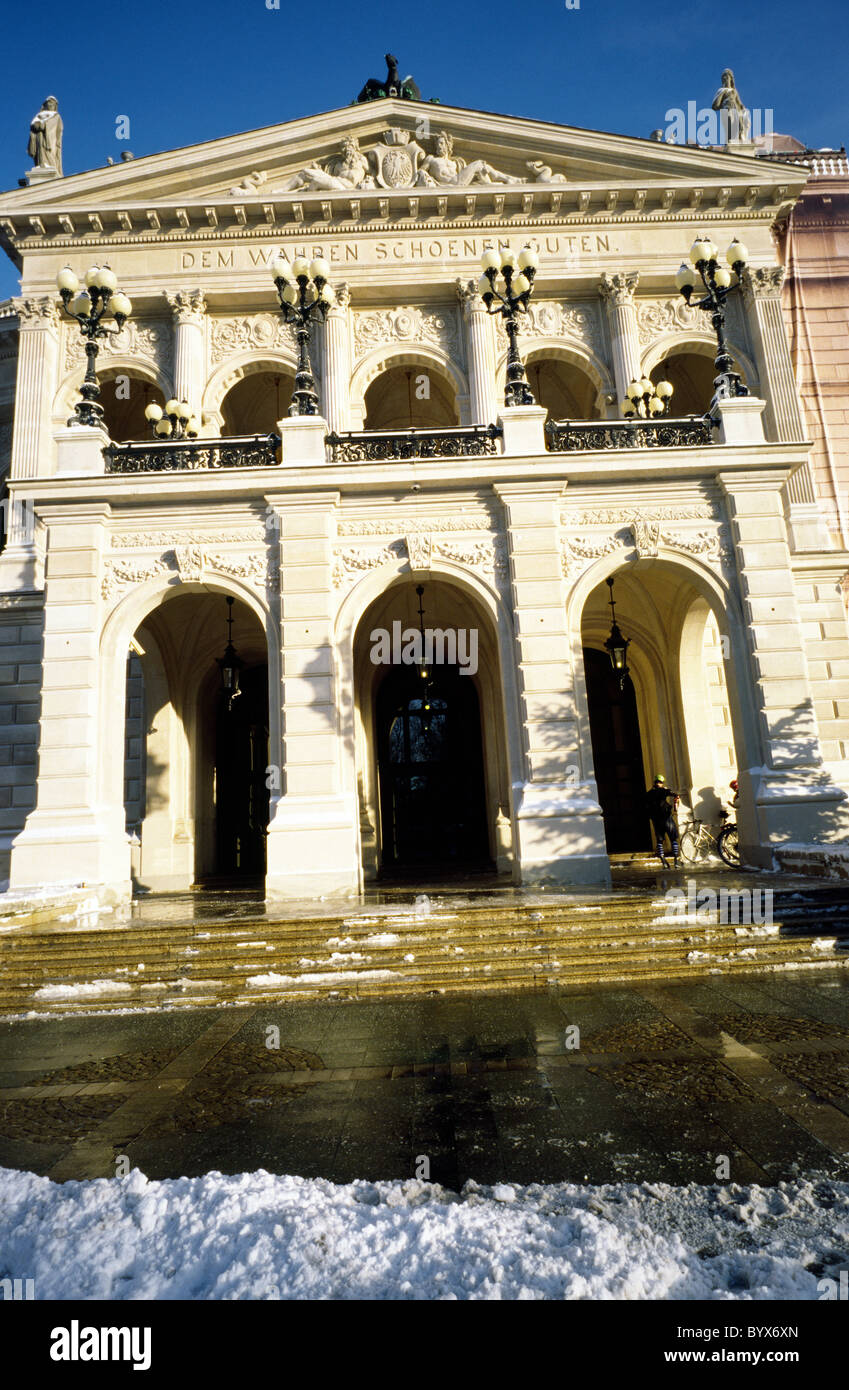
379 446
207 455
563 436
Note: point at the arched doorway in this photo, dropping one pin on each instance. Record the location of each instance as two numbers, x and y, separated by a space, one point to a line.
430 768
691 375
432 801
617 754
412 396
680 712
195 762
125 396
257 402
564 389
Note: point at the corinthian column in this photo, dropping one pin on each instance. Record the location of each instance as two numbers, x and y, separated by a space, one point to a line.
38 357
336 363
481 355
188 308
617 291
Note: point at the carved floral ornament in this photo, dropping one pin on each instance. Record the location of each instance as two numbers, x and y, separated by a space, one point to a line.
150 339
486 555
657 317
584 540
249 333
192 563
408 325
550 318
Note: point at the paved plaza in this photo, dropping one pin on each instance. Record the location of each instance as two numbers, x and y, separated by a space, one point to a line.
601 1084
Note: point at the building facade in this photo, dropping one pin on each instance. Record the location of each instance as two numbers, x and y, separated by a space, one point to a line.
121 760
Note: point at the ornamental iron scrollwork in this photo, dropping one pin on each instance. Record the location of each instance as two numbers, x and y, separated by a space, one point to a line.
564 436
202 455
376 446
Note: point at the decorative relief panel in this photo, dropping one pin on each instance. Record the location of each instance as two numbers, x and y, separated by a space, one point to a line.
420 544
191 563
249 333
549 318
151 339
380 327
657 317
646 532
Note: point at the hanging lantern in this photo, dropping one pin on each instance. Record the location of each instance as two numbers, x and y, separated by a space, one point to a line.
230 664
616 645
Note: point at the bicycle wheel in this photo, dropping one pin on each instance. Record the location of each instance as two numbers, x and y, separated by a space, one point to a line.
728 846
690 845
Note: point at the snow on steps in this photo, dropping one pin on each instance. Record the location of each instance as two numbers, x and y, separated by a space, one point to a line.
495 945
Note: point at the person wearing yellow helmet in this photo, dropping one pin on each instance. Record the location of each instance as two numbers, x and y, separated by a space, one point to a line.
660 804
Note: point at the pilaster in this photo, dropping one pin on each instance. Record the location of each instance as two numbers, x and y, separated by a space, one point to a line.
81 839
556 805
336 363
787 794
480 343
189 310
314 824
618 291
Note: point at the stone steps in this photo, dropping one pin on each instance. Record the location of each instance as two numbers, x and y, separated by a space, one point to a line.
493 945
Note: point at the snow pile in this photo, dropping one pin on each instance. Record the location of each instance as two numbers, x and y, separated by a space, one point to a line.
260 1236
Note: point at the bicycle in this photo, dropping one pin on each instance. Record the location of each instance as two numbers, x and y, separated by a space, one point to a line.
698 842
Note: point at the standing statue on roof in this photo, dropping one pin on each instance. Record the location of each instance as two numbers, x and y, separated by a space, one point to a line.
45 137
735 120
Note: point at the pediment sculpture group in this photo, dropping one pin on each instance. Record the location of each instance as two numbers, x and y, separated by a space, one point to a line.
399 161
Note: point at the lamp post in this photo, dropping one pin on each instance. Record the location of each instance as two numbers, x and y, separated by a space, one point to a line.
645 399
512 293
705 272
616 645
99 299
175 420
305 297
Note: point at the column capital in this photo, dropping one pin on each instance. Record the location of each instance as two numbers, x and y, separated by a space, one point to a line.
618 289
467 294
763 283
187 306
343 298
40 311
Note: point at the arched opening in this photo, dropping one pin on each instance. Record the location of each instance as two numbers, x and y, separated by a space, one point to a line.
412 396
564 389
196 797
675 713
431 755
256 403
692 375
125 396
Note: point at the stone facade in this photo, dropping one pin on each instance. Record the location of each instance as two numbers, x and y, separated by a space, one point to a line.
728 572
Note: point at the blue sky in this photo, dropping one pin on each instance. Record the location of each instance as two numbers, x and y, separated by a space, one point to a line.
192 71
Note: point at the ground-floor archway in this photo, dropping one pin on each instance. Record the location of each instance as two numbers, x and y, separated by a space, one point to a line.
431 749
679 711
195 761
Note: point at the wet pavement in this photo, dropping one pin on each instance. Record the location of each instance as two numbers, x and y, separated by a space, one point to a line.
660 1082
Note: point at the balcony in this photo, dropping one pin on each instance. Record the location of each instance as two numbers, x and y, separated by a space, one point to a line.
385 446
567 436
201 455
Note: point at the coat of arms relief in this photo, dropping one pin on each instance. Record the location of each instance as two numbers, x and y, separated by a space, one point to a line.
398 160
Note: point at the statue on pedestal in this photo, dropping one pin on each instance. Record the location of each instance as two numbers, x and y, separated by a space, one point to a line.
734 117
45 137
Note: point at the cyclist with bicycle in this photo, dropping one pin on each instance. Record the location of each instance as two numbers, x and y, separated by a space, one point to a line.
660 804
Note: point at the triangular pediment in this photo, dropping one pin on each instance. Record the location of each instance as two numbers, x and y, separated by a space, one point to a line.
399 150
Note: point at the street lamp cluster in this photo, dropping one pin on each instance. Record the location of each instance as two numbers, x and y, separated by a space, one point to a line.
305 296
89 305
505 288
704 273
646 400
176 420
